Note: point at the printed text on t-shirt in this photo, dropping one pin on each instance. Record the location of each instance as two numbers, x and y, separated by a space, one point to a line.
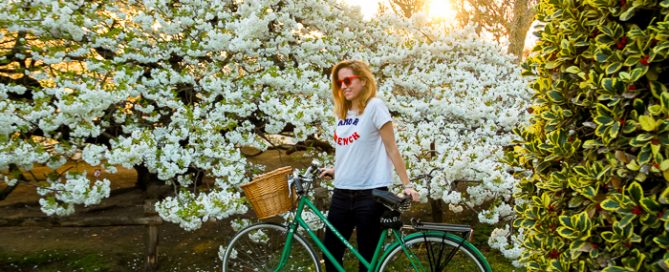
348 122
346 140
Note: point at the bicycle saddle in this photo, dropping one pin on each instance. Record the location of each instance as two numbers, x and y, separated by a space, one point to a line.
389 199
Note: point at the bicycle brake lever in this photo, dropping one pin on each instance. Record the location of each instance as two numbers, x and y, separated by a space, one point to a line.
405 204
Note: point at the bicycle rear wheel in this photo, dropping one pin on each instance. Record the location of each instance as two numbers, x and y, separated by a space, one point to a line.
435 252
258 248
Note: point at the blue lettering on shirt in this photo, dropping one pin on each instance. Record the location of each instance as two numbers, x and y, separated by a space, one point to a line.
348 122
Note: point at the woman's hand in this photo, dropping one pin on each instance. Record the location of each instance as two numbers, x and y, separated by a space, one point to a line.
415 196
327 172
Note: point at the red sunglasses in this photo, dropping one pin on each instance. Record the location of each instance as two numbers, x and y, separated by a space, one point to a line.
347 80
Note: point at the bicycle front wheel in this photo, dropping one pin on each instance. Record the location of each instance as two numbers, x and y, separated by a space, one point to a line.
435 252
259 247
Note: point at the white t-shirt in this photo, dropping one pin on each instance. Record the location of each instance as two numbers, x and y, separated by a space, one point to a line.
361 160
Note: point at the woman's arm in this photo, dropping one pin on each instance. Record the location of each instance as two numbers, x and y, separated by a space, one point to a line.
388 137
327 172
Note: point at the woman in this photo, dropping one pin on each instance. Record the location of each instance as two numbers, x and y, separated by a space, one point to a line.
365 153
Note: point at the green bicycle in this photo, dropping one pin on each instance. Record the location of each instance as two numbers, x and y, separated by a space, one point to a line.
424 247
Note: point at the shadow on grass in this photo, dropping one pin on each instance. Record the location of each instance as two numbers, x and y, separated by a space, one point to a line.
61 260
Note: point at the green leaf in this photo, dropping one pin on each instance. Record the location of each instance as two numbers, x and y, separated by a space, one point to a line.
608 84
638 72
603 120
589 192
664 99
617 269
579 246
626 15
662 241
601 57
604 39
527 223
556 97
609 236
615 128
633 165
581 171
661 47
649 204
613 67
610 205
592 143
576 201
603 110
606 30
635 191
645 155
664 196
565 221
632 60
626 220
583 223
552 64
655 110
647 123
567 233
573 70
644 137
664 165
639 105
657 88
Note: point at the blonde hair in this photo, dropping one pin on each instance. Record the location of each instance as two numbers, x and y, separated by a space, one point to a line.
360 69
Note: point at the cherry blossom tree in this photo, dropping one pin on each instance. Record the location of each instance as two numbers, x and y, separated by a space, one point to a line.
178 88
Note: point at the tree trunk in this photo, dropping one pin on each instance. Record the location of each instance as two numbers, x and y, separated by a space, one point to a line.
143 177
5 192
435 204
523 17
149 183
437 211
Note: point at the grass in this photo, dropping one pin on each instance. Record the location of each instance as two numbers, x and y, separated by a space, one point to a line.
56 260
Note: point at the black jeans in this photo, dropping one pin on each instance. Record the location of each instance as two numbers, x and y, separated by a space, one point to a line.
353 209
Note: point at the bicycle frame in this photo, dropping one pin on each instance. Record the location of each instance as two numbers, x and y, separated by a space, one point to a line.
298 221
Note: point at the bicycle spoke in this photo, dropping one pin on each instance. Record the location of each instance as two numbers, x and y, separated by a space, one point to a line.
259 248
433 252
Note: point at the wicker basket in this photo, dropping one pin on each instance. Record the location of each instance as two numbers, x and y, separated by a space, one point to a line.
268 193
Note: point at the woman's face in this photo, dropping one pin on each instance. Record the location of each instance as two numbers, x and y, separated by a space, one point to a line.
349 84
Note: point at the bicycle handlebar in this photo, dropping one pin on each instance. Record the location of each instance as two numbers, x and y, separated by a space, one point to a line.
308 176
393 202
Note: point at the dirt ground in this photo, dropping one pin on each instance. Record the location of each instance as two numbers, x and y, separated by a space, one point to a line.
33 247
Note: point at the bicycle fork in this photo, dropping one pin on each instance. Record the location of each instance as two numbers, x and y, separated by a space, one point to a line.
286 248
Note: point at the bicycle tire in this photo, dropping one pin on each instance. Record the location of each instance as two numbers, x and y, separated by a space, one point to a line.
258 248
433 249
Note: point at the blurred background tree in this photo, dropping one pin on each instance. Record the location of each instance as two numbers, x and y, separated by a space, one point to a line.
505 21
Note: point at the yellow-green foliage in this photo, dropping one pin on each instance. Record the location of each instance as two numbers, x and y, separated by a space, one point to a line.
595 196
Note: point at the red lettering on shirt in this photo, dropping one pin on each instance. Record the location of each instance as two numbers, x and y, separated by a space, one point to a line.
346 140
